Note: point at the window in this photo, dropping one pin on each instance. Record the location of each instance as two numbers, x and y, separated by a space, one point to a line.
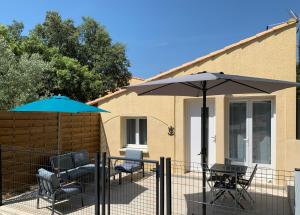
136 132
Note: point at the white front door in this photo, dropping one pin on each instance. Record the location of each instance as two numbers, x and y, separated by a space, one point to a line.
194 107
251 132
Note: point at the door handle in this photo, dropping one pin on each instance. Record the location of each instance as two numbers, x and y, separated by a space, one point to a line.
214 138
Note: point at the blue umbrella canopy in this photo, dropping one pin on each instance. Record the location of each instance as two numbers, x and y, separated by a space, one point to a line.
59 104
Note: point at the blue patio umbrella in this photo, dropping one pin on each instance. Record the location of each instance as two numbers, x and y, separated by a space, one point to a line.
58 104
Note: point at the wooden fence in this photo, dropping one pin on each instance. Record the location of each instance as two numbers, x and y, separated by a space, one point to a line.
32 138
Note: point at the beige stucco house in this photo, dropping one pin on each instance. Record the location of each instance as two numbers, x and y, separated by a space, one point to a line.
248 129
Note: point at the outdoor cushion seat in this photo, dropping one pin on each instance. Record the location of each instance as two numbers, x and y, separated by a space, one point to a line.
63 175
89 168
77 173
67 191
129 166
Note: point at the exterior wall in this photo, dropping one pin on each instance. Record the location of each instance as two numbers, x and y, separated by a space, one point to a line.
270 56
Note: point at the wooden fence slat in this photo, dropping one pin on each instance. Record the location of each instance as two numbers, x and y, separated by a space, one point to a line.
39 131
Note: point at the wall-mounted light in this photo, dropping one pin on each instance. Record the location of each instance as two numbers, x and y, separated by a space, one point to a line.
171 131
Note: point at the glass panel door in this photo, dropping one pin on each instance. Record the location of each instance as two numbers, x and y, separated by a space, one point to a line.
250 132
261 132
237 131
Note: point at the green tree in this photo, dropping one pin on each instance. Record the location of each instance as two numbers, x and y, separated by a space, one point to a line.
81 61
72 79
59 33
21 78
91 45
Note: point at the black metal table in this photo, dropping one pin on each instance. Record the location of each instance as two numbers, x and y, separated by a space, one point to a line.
225 177
240 170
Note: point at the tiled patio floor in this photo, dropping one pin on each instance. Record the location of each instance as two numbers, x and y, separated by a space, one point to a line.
139 197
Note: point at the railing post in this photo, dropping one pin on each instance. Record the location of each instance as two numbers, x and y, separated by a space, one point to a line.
168 186
1 203
97 185
108 185
157 187
297 191
103 179
162 184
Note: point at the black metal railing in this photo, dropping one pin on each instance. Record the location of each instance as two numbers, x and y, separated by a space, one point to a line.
228 190
137 191
153 187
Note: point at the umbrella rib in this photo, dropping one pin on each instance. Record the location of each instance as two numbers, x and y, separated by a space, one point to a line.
143 93
191 85
255 88
217 84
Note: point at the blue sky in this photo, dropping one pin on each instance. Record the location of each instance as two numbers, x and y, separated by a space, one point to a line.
161 34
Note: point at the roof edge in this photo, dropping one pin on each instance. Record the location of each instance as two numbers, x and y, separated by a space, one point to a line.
287 24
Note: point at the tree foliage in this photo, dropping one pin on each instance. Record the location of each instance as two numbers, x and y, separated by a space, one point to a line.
21 78
81 62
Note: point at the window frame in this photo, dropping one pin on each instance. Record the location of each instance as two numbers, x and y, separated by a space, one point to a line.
137 144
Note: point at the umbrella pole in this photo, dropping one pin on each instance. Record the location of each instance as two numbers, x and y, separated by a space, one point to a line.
204 147
58 141
58 132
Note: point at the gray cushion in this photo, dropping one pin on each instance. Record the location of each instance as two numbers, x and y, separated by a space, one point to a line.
90 168
129 166
134 154
77 173
49 176
68 190
80 158
63 162
64 175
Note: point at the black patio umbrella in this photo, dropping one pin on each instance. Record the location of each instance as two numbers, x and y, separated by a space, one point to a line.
204 84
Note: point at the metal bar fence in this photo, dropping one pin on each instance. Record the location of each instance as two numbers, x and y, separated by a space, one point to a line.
97 185
133 192
28 179
142 192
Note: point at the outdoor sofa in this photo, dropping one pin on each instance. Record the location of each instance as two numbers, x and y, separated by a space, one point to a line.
76 165
72 166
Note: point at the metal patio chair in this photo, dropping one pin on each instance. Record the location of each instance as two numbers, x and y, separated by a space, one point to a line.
50 190
132 163
226 183
245 184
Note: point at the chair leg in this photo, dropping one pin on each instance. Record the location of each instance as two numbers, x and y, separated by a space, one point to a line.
143 170
131 176
120 178
81 200
250 197
37 202
219 194
236 200
53 206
